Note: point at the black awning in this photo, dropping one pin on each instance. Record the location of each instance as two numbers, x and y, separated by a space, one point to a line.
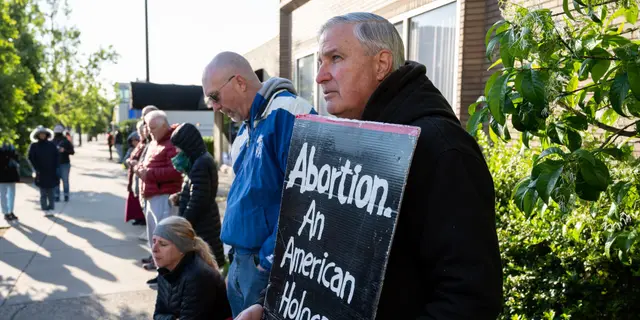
167 96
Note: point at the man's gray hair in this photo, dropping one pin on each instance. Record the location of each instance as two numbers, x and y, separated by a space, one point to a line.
157 114
374 32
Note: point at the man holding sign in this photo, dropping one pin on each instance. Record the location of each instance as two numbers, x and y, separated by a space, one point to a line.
444 261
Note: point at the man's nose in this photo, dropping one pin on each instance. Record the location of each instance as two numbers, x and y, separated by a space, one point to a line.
323 74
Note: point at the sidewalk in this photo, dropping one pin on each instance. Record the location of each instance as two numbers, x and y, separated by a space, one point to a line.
83 263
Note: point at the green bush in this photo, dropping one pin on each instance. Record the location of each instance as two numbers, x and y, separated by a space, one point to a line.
576 262
208 141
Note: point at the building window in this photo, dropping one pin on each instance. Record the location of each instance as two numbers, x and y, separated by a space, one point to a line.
400 27
432 42
305 71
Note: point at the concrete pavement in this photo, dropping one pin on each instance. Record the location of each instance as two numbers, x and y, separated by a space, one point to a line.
84 262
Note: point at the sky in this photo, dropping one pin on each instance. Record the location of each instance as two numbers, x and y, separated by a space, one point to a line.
183 35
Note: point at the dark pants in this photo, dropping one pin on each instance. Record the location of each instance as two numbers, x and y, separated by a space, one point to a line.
46 199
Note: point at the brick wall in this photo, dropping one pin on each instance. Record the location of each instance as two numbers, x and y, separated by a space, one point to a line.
266 57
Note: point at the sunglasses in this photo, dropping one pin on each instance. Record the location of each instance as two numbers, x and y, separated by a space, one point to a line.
214 97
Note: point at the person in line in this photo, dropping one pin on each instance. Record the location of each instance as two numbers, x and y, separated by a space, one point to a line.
9 176
132 141
197 201
133 209
144 236
259 154
65 149
160 178
190 286
110 144
444 262
44 158
118 139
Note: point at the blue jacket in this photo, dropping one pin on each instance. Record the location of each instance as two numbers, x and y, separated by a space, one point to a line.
259 155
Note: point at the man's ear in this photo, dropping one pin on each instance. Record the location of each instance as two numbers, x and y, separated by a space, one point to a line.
384 64
242 82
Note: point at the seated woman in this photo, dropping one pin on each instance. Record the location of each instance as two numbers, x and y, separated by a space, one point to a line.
189 283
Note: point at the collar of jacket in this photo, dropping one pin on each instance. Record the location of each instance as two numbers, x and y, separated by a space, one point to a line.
269 90
407 95
175 273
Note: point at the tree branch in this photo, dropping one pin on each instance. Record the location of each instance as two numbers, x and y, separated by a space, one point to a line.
618 131
564 94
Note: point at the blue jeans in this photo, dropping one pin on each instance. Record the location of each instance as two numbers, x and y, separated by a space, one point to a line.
63 174
46 199
245 281
7 196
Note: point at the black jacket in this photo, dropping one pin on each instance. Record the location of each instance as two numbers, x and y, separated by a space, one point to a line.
9 164
444 262
44 158
192 291
199 189
62 142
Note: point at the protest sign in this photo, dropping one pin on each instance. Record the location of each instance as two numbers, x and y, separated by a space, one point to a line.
342 193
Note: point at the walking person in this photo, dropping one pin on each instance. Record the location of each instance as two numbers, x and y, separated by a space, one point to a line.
197 201
44 158
160 178
65 149
110 144
190 285
9 176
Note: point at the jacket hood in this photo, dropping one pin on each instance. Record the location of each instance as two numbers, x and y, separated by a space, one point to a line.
269 88
38 130
407 95
188 138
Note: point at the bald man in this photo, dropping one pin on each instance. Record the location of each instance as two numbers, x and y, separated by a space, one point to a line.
259 155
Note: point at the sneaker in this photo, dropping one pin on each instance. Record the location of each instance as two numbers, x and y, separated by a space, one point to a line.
13 216
7 217
147 260
48 213
66 198
57 199
153 281
150 266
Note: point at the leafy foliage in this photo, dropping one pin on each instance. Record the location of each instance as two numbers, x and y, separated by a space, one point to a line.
43 78
569 81
583 265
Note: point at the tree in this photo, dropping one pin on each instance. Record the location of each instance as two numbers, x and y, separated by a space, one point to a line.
572 81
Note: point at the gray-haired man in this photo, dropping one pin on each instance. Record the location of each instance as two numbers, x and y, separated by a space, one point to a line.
444 262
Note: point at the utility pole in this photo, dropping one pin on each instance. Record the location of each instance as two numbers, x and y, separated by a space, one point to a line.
146 32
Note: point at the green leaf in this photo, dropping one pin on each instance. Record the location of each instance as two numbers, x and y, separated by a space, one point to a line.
585 68
607 246
546 174
619 13
584 190
609 117
533 86
508 108
618 92
492 79
556 132
517 83
599 69
506 42
490 31
632 13
492 46
572 85
576 122
574 140
496 98
526 196
595 175
565 7
633 73
526 137
549 151
614 153
498 62
475 121
619 191
499 130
